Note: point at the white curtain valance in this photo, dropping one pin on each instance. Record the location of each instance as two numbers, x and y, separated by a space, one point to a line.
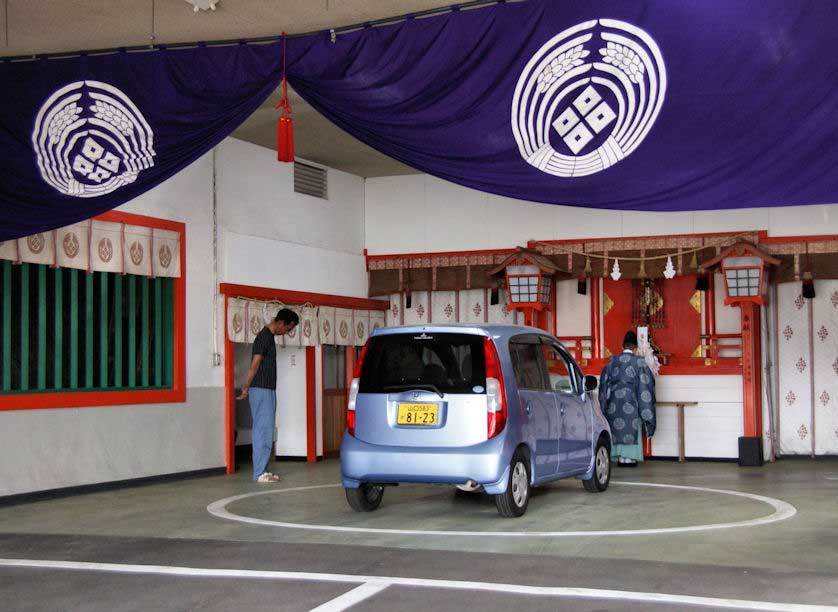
318 325
101 246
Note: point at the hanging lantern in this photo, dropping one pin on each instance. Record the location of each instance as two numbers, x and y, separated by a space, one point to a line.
742 267
529 282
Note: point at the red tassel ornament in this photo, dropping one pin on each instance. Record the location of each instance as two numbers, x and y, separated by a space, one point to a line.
285 124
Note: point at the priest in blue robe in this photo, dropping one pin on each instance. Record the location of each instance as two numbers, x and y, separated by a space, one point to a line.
627 398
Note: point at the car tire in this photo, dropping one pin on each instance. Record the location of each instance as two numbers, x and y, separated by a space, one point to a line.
514 501
599 480
365 498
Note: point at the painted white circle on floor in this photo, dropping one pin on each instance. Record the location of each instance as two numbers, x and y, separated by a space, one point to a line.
782 511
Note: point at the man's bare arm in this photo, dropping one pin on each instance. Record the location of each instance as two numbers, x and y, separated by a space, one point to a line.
254 367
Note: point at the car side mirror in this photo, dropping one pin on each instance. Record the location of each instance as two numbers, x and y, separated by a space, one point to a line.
590 382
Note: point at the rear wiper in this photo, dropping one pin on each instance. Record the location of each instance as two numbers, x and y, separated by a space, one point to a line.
428 386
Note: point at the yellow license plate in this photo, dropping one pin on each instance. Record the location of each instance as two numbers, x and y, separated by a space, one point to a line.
417 414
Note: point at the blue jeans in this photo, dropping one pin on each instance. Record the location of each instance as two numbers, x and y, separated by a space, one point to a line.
263 410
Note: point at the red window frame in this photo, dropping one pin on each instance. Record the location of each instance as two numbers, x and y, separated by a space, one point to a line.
89 399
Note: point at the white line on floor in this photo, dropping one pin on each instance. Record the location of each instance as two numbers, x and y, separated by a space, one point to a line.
356 595
782 511
516 589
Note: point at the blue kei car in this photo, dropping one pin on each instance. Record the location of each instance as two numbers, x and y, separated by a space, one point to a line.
504 408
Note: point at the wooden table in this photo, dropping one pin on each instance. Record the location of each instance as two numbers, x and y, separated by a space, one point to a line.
680 407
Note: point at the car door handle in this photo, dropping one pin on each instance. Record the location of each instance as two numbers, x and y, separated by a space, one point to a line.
528 408
561 410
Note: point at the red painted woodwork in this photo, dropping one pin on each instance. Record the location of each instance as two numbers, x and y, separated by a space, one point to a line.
682 334
618 319
751 374
596 319
229 397
301 297
311 405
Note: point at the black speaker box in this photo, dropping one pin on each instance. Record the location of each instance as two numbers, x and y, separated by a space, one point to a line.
750 451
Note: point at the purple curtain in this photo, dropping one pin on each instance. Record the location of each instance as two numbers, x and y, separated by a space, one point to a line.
623 104
80 136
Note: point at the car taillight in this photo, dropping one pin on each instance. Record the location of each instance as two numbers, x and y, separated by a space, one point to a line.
495 396
353 391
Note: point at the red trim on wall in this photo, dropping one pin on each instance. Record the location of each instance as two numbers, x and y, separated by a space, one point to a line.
301 297
229 397
596 313
116 216
90 399
311 405
439 254
350 366
751 369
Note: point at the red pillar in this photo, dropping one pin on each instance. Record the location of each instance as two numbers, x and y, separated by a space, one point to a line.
596 310
229 398
311 405
751 370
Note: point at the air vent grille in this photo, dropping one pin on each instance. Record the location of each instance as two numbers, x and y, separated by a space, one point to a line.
310 180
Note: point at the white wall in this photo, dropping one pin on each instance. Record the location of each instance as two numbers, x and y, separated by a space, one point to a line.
434 215
712 428
291 402
274 237
268 236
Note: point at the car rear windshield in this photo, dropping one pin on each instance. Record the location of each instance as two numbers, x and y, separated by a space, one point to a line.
439 362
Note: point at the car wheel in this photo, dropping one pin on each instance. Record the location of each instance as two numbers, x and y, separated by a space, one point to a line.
513 502
602 469
365 498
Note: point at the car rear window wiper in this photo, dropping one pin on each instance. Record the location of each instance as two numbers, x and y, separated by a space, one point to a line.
428 386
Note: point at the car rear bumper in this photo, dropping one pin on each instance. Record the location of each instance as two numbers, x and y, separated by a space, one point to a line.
485 463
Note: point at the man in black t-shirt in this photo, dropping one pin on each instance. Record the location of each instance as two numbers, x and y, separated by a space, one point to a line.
260 388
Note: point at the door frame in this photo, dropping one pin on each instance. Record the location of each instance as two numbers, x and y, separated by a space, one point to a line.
290 298
349 370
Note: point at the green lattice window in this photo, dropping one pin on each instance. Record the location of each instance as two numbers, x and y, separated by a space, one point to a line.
64 330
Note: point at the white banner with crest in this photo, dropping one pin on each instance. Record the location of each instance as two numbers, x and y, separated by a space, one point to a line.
106 247
102 246
318 324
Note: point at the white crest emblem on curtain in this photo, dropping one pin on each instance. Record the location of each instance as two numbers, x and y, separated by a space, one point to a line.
91 139
588 98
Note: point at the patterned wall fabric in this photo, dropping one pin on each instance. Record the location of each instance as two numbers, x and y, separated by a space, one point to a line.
825 368
800 433
469 306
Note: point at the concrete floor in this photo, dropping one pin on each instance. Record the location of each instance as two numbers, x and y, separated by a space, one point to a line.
142 538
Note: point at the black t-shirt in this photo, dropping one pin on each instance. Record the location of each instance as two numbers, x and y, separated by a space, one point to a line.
265 346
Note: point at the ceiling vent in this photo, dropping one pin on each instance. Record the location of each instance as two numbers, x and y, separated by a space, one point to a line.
310 180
